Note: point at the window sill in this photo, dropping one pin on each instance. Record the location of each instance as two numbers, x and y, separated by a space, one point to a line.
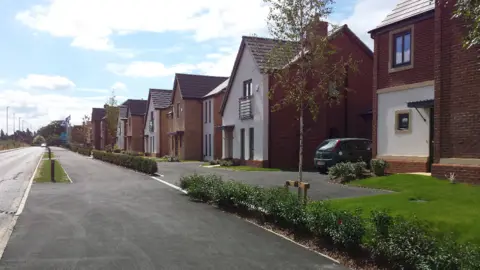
401 68
403 131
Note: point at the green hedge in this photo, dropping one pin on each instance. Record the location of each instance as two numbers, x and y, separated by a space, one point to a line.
86 151
395 242
136 163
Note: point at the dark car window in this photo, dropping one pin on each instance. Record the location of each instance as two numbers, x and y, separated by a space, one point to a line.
327 145
348 146
362 145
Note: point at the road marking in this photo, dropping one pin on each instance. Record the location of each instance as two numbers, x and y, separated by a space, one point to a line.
161 175
5 236
266 229
170 185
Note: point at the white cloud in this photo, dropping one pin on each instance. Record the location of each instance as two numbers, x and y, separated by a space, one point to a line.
91 23
119 86
46 82
367 14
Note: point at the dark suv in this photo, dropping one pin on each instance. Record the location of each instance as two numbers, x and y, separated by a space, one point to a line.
333 151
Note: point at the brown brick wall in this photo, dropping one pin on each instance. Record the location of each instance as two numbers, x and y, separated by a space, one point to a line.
463 173
136 134
457 92
217 121
284 125
192 138
163 142
400 164
423 53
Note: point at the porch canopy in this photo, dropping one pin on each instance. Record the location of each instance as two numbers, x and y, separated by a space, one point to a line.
178 132
425 104
226 127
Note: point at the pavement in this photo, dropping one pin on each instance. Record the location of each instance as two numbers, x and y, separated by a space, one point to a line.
114 218
320 187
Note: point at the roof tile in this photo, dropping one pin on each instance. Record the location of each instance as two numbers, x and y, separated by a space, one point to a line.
197 86
161 98
406 9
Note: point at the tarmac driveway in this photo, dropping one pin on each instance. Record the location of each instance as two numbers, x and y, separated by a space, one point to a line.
320 187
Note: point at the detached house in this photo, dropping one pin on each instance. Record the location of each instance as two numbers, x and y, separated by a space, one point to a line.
136 110
426 92
186 125
97 116
256 136
156 122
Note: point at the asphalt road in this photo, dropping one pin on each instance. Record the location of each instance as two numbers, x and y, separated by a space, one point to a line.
320 187
114 218
16 169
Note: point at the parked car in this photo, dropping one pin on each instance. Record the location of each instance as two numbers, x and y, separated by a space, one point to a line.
333 151
43 145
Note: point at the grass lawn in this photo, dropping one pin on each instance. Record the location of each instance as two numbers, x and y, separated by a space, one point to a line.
43 173
447 207
45 155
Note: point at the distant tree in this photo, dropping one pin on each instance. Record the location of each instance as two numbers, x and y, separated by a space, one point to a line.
39 139
85 131
302 56
111 113
2 135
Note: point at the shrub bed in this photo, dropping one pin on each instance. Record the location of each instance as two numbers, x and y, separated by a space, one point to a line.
137 163
393 242
86 151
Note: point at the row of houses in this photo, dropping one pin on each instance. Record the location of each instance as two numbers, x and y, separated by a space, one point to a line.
416 96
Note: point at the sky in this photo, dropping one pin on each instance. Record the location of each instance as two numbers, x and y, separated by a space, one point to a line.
63 57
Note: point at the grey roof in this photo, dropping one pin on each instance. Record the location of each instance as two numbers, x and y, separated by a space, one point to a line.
161 98
123 110
98 114
137 107
196 86
406 9
218 89
261 47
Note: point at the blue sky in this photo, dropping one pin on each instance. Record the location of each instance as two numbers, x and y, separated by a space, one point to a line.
63 57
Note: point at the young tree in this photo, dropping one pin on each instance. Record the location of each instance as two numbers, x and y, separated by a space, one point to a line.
2 135
111 113
303 64
85 128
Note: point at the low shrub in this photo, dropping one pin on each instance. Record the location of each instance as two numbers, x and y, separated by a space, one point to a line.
226 163
378 166
116 150
133 153
136 163
214 162
410 244
347 171
343 228
84 151
171 158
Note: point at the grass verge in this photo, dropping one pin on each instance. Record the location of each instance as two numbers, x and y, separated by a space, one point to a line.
44 170
45 155
447 207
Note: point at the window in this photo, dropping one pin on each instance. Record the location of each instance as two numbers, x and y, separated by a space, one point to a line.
247 88
151 116
402 121
153 144
178 110
209 145
402 49
205 113
251 143
206 146
209 111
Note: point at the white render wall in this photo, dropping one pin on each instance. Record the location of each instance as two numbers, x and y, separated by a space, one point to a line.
120 134
208 129
149 135
247 69
415 143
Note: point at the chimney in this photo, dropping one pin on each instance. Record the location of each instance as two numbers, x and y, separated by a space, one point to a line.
318 28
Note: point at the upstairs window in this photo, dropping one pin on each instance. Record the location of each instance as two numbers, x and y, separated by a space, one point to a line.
205 110
402 44
178 110
209 111
247 88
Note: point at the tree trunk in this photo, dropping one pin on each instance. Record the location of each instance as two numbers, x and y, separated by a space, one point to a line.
300 147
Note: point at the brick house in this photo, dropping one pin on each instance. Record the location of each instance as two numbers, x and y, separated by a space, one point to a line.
97 116
105 137
186 123
78 135
212 136
121 136
136 110
259 137
156 122
425 92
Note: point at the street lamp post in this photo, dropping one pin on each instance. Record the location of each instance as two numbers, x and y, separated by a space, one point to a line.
19 125
7 120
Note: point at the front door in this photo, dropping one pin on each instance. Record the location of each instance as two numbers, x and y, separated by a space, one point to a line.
431 141
242 144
